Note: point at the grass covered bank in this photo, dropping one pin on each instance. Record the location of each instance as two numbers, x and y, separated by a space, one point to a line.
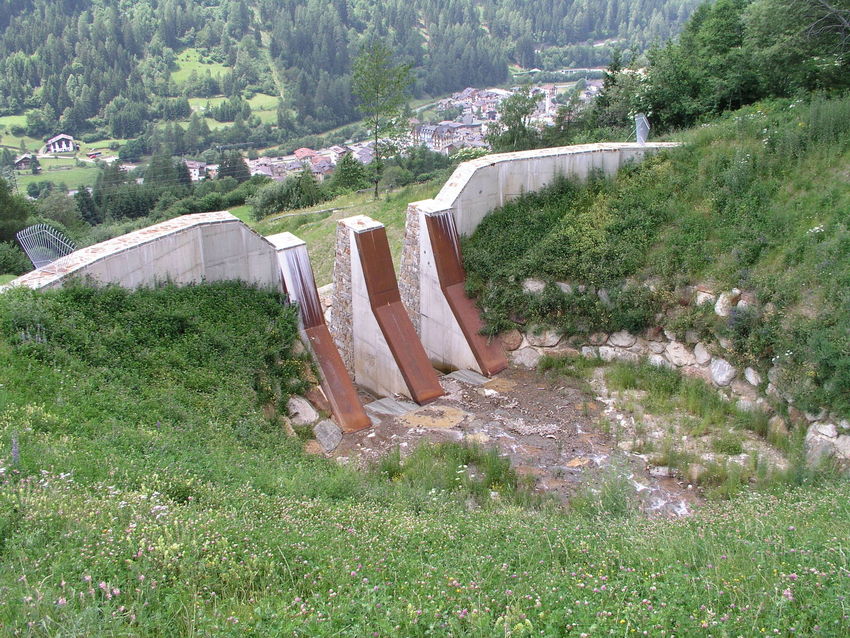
143 492
757 200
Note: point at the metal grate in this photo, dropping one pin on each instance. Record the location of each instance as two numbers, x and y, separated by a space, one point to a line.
44 244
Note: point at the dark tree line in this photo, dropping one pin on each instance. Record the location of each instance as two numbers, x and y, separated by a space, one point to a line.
104 67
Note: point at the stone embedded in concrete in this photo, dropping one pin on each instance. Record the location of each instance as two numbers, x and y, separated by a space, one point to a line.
656 347
660 362
388 406
826 429
679 355
328 434
543 339
752 376
597 338
561 350
722 372
607 353
525 357
511 340
622 339
301 412
702 355
591 352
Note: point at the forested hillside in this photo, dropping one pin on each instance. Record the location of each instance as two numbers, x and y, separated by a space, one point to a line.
106 68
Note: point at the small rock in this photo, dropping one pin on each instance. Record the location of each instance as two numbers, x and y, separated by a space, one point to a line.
545 339
725 343
511 340
603 297
525 357
589 352
660 471
691 336
747 300
842 446
581 288
811 417
660 362
702 355
533 286
622 339
562 350
704 297
301 412
826 429
607 353
752 376
678 354
597 338
773 375
722 372
777 426
684 295
670 336
725 302
744 390
746 405
656 347
298 347
566 288
328 434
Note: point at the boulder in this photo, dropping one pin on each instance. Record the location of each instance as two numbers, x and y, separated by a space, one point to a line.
525 357
533 286
678 354
691 337
704 297
511 340
656 347
777 427
702 355
752 376
722 372
301 412
545 339
744 390
328 434
562 350
842 447
622 339
607 353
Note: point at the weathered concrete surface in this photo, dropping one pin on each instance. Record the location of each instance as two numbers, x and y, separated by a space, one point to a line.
187 249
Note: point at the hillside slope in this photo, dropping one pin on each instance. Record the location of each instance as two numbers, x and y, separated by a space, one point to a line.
757 200
107 68
143 493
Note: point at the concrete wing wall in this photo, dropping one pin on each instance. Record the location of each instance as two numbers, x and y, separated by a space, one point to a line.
187 249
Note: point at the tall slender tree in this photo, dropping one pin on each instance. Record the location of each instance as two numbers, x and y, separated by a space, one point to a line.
380 86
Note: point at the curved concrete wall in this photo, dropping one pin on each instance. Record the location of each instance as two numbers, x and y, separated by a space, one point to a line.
474 189
186 249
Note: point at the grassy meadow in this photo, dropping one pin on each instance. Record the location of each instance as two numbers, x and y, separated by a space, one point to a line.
144 491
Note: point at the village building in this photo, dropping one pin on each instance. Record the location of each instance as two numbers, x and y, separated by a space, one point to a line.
61 143
197 170
24 162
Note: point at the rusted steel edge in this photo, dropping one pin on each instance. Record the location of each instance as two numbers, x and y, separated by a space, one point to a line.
445 245
398 331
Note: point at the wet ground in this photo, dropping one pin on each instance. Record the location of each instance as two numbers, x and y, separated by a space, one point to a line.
552 429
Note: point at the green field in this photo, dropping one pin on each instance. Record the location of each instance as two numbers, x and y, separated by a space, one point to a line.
190 60
8 121
319 229
144 492
5 279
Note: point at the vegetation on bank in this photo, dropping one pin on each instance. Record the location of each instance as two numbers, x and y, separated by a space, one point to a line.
755 200
144 491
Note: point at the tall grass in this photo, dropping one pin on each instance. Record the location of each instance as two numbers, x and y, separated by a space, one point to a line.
755 200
